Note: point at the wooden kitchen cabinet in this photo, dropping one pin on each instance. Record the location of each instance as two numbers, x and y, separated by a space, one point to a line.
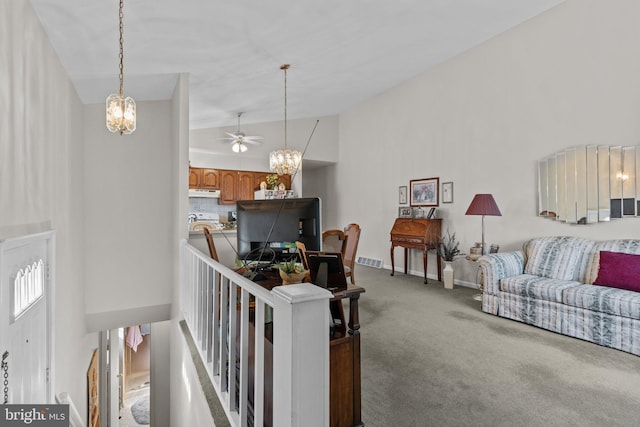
286 180
210 179
262 176
228 187
195 177
259 177
204 179
234 185
246 187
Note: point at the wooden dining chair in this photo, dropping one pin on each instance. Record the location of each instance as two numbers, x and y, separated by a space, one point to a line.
212 248
302 254
334 241
352 234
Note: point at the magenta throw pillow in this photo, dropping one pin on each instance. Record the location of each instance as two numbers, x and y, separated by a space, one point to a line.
619 270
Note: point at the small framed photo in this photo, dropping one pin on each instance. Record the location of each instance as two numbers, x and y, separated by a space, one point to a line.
424 192
404 212
447 192
432 213
402 195
418 213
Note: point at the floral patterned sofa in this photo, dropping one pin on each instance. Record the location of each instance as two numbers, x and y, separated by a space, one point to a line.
582 288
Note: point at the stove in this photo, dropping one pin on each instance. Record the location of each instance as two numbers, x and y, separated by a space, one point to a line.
200 220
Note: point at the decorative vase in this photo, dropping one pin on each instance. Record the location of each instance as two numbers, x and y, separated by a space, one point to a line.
292 278
448 274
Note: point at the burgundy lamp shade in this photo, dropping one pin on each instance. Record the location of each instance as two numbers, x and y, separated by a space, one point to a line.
483 204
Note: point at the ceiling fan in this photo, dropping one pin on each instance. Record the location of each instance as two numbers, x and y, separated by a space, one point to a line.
239 140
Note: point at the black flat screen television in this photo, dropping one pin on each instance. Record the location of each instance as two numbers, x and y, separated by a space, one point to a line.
276 225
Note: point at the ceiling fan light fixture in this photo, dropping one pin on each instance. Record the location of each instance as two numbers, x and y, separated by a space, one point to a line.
238 147
285 161
239 140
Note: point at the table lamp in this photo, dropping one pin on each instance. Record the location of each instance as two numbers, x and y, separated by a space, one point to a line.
483 204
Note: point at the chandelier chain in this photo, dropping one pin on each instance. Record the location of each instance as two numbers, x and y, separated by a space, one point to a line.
121 41
285 67
285 161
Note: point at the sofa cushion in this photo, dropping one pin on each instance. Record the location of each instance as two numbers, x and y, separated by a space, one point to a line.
627 246
619 270
537 287
618 302
558 257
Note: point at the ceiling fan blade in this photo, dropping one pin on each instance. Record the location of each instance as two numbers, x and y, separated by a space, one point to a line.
248 141
252 137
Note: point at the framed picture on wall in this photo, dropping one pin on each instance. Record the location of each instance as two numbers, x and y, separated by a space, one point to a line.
402 195
404 212
447 192
424 192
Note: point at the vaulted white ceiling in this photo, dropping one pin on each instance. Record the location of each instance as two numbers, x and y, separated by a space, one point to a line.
342 52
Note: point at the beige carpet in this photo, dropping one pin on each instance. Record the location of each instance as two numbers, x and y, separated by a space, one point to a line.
135 394
431 357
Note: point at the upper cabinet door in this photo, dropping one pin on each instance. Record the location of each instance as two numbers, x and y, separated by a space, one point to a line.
211 179
258 178
286 180
195 177
228 181
245 190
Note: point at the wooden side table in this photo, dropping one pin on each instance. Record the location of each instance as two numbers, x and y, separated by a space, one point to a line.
477 297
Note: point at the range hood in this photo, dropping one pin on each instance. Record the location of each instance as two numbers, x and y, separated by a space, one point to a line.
214 194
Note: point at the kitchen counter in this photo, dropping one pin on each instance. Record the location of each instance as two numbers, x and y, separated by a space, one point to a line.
214 232
212 226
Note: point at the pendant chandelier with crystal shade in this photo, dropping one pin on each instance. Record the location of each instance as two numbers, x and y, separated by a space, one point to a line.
285 161
121 111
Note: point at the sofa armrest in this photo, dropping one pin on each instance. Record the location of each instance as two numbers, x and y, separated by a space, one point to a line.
495 267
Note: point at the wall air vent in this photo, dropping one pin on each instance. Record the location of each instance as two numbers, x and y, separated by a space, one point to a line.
371 262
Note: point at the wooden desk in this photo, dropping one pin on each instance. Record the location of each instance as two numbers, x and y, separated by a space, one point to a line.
418 233
344 357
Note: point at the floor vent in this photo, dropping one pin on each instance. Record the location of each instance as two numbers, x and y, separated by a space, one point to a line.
377 263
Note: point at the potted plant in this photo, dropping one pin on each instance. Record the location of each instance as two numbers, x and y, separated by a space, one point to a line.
272 181
447 250
291 272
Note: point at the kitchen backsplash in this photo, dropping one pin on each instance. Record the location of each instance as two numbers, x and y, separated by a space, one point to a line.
203 204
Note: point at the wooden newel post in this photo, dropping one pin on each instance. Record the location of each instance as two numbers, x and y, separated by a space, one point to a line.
301 356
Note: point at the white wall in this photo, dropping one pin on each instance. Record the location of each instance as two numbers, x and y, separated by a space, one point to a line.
168 366
567 77
317 182
189 406
130 205
41 180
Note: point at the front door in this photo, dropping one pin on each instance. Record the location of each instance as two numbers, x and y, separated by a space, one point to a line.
25 318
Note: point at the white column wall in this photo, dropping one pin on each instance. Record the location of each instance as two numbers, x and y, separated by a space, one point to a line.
130 205
41 181
567 77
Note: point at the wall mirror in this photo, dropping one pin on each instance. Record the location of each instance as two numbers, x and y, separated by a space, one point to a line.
584 185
